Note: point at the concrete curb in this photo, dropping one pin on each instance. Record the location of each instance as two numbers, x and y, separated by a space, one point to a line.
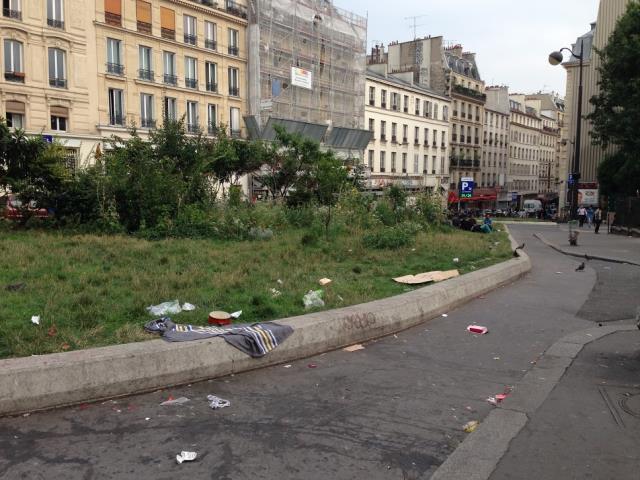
48 381
537 224
478 455
582 255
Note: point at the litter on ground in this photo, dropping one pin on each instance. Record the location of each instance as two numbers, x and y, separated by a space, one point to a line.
219 318
275 293
477 329
497 399
313 299
175 401
217 402
324 281
35 319
353 348
186 457
166 308
287 366
312 365
445 315
236 314
435 276
470 426
188 307
15 287
456 260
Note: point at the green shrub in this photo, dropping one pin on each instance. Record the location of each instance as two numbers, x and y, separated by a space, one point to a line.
388 238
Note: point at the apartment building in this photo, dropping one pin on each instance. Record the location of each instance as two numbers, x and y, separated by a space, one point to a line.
524 149
410 127
79 74
494 169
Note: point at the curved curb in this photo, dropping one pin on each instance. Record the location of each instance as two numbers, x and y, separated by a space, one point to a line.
479 454
59 379
582 255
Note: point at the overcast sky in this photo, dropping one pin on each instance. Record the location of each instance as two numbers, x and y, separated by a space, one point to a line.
512 38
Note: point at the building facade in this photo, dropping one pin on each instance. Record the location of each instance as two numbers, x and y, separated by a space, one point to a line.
525 128
410 127
495 150
79 74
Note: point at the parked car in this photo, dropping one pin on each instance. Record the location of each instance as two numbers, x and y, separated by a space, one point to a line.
13 208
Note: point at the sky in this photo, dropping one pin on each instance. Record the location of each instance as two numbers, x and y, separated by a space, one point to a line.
512 39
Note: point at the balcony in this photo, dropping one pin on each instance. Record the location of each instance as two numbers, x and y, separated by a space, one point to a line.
144 27
417 112
58 82
405 109
210 44
383 105
462 138
147 75
212 87
372 102
383 138
426 143
190 39
233 50
53 23
443 145
193 127
147 123
382 170
170 79
459 162
394 139
405 141
469 92
115 69
116 120
234 91
394 108
454 137
434 144
416 142
191 82
9 13
167 33
477 140
11 76
234 9
455 113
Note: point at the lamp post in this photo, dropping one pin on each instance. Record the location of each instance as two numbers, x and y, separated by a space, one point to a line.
555 58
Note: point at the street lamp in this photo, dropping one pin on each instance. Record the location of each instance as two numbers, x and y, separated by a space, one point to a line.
555 58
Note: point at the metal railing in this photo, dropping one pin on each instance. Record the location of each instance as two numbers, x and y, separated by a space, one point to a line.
144 74
233 50
116 120
58 82
170 79
52 22
191 83
212 87
210 44
12 76
193 128
190 39
9 13
234 91
147 123
115 68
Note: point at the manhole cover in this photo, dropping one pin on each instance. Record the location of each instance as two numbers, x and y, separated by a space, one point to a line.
631 404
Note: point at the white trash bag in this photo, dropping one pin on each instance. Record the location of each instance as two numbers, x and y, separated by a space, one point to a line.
166 308
313 299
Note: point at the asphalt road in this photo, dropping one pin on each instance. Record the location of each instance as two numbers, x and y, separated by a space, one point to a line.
394 410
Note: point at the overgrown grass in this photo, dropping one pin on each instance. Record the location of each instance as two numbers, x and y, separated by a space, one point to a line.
92 290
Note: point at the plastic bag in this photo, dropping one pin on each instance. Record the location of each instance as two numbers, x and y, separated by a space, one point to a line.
313 299
166 308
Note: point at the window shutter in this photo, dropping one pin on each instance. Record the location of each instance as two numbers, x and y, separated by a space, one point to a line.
15 107
143 11
60 111
113 6
167 18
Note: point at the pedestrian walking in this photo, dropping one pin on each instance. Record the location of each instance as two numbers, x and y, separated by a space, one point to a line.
590 217
597 219
582 215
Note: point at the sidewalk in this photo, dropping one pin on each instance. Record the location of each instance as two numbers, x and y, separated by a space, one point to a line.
615 247
589 427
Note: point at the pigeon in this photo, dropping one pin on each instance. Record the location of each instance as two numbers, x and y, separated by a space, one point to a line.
580 267
519 247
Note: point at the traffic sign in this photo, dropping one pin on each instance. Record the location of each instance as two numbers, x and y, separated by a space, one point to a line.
466 187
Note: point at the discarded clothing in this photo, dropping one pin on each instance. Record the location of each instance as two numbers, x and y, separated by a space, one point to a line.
255 340
217 402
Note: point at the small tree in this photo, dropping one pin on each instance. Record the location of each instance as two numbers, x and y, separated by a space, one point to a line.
328 179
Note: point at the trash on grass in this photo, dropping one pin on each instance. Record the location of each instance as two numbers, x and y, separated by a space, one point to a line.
53 331
275 293
175 401
313 299
219 318
280 282
186 457
35 319
324 281
435 276
478 329
353 348
456 260
471 426
188 307
15 287
236 314
166 308
217 402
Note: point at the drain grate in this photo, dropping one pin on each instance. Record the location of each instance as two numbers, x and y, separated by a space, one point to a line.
623 403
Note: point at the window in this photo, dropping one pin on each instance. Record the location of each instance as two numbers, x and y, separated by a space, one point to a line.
192 117
416 135
211 74
11 9
169 65
170 109
445 113
383 130
190 72
55 14
394 132
417 106
234 82
370 163
116 107
167 23
426 137
435 111
405 107
383 98
234 121
426 109
443 142
15 120
416 163
234 45
190 30
393 162
425 164
57 71
146 111
210 37
145 63
372 127
114 55
404 163
143 16
58 123
435 138
372 96
433 163
394 101
13 67
212 117
405 133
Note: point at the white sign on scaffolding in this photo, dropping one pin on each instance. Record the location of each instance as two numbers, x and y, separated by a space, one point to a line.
302 78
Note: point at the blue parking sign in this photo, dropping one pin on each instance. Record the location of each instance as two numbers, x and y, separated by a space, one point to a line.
466 187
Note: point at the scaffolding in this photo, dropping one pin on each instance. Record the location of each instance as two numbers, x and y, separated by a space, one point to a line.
328 45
